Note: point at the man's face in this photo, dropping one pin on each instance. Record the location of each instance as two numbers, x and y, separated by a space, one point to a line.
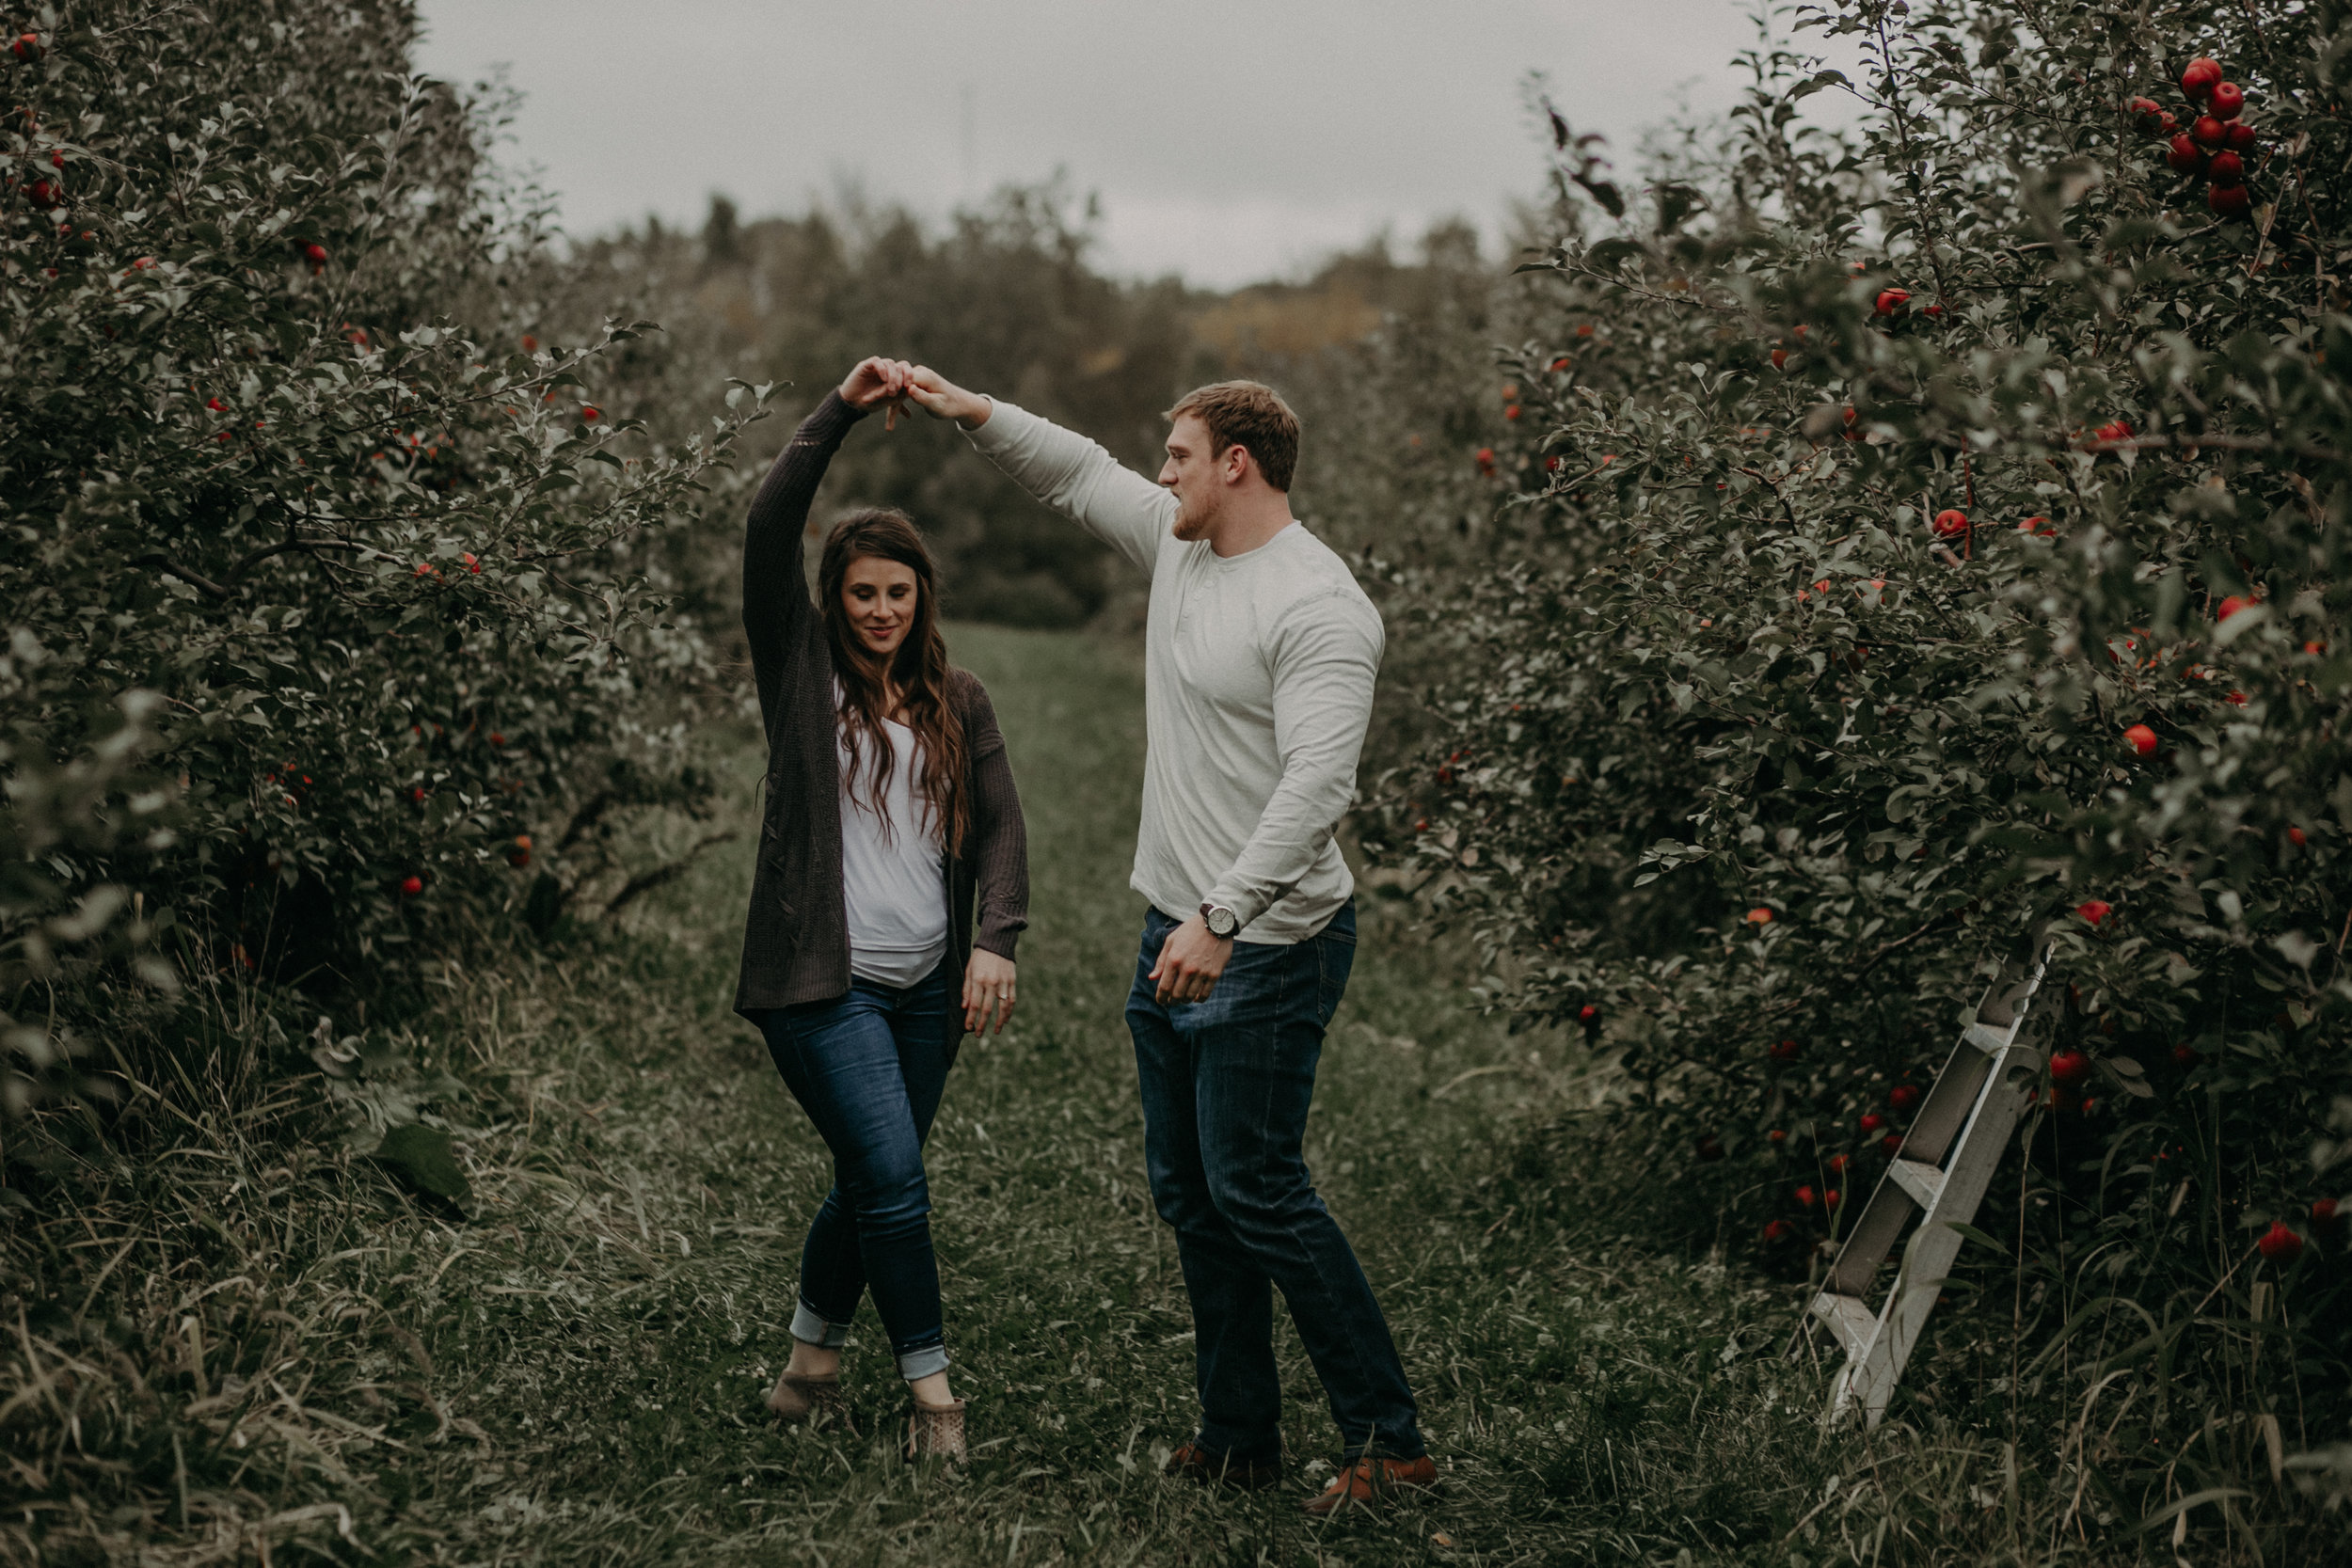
1196 475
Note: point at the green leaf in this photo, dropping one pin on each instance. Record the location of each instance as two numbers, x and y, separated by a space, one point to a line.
425 1161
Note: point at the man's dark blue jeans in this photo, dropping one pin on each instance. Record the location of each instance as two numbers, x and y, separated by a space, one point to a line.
1226 1085
870 1068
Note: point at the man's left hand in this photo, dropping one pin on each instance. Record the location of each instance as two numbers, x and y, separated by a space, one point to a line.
1191 963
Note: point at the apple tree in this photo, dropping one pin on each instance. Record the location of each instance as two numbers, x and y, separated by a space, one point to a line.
319 572
1931 543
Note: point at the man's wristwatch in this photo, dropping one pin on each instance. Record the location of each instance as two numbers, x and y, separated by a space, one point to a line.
1223 922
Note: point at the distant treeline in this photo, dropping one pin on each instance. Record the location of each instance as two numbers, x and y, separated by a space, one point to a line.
1006 297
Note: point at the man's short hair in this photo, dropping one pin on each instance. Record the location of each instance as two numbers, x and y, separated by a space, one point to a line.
1249 415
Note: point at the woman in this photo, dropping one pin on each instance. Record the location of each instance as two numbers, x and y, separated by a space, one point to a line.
890 817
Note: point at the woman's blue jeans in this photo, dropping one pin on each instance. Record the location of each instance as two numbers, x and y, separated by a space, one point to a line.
869 1067
1226 1086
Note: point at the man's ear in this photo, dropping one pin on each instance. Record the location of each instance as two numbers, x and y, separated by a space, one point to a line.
1234 468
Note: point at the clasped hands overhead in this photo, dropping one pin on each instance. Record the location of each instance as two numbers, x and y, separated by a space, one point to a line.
895 383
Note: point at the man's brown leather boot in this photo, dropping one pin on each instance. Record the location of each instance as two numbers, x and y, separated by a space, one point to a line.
1206 1465
1365 1482
796 1399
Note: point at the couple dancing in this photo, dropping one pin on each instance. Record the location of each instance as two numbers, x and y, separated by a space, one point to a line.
891 825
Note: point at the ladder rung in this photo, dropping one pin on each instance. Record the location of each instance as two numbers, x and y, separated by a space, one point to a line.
1851 1318
1922 1182
1987 1039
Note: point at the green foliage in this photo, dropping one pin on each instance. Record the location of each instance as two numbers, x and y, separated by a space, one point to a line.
1744 748
282 481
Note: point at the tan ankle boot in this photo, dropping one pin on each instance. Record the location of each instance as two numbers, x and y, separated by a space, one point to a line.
936 1432
796 1399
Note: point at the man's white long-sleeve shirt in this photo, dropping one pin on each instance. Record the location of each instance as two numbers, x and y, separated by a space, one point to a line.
1258 680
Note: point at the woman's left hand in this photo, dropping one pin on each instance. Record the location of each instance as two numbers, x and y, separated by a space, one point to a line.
878 381
987 987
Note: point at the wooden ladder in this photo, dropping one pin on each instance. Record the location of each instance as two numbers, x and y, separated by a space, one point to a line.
1939 1174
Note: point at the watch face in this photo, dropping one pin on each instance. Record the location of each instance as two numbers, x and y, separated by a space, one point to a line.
1221 923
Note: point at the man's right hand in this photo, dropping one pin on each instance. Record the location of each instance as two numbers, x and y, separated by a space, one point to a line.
944 400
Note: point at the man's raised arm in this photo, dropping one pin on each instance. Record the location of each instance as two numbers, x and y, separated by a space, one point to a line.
1062 468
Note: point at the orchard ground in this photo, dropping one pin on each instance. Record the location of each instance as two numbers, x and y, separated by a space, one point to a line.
574 1373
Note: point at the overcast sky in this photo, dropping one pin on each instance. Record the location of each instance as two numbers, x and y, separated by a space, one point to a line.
1226 140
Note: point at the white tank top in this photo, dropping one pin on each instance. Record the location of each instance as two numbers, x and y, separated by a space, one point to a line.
893 875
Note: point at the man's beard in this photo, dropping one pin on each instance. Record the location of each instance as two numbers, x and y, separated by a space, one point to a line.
1193 522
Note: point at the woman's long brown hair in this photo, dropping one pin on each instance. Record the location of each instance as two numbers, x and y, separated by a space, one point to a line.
919 668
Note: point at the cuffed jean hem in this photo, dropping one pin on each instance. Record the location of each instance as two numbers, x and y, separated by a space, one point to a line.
922 1361
811 1329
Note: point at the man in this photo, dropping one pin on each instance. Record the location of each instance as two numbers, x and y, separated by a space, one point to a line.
1258 681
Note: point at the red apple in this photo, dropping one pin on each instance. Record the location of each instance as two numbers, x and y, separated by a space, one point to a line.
1892 300
497 740
2208 130
2280 1245
2183 155
1951 523
2094 910
1759 916
591 413
1833 1197
1486 460
2147 112
2227 99
471 564
2069 1066
2241 137
2230 606
2228 201
26 47
1807 1196
2201 76
315 254
1891 1145
412 885
2324 1211
1776 1135
2039 526
1873 1122
2141 740
1784 1052
2236 699
2295 836
2227 168
1589 1013
1903 1095
1779 1231
1780 358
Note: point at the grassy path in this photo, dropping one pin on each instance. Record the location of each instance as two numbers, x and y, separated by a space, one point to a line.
616 1348
574 1375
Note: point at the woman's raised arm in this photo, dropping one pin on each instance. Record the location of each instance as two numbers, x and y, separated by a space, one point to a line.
777 612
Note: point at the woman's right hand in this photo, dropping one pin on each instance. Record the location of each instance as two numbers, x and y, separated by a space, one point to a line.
877 380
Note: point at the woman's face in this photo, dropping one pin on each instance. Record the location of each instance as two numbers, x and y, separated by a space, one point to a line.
878 597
